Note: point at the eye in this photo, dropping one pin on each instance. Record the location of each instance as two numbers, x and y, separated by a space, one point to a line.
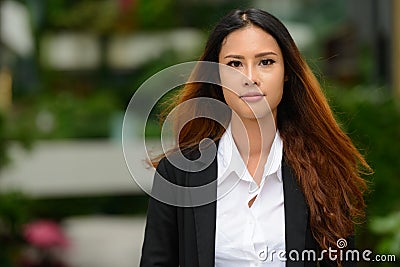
266 62
234 63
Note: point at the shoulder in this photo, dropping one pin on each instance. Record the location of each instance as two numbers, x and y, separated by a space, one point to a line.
189 159
178 161
190 166
176 174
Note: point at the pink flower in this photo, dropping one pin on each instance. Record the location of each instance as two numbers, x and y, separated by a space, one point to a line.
45 234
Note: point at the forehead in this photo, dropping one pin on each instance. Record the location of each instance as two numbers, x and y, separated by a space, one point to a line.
250 39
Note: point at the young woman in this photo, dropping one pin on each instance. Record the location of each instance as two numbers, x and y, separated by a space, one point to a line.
290 194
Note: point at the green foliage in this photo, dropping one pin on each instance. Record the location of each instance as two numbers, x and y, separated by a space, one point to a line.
372 119
389 228
157 14
10 131
94 15
80 117
14 213
3 142
61 208
65 115
109 16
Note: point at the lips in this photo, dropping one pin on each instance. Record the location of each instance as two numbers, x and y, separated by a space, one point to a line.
252 96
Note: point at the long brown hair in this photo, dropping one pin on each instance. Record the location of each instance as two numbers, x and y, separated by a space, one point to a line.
327 165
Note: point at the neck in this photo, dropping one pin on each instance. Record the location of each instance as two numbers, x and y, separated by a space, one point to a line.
253 137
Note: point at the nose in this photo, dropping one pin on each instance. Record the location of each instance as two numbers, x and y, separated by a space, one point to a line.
250 77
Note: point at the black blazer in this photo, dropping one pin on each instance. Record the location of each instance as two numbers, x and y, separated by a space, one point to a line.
185 236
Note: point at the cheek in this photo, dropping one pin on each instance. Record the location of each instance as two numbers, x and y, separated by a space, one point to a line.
273 86
231 98
231 80
274 97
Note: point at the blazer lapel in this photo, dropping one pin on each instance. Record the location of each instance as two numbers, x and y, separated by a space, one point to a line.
296 216
205 215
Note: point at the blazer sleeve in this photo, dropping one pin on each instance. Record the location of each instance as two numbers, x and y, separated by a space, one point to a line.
160 246
347 262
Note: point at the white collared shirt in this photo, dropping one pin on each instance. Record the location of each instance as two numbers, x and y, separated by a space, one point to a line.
249 236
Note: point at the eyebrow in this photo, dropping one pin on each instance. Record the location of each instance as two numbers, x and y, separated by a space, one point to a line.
256 56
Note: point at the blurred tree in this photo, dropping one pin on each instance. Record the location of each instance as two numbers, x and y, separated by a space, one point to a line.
3 143
94 16
371 118
14 212
396 48
11 134
388 227
158 14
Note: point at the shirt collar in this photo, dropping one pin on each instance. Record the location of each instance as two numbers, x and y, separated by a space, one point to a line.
233 162
274 160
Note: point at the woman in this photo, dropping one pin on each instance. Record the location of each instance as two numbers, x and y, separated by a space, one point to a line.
291 191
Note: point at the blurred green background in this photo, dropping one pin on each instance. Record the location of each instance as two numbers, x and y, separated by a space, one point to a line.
69 68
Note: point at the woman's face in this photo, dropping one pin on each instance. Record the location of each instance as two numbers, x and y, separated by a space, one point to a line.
257 55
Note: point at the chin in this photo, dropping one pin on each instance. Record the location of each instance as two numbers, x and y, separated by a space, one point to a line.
256 115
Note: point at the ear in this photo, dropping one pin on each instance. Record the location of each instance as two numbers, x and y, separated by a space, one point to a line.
286 78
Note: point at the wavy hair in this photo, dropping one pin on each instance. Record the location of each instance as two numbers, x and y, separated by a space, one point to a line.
325 162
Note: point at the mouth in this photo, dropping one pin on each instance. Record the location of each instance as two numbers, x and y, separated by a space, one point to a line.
252 97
